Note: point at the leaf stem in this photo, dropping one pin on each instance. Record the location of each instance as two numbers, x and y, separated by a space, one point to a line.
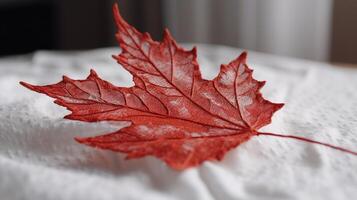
309 141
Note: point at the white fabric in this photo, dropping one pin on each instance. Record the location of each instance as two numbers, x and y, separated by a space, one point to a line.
40 160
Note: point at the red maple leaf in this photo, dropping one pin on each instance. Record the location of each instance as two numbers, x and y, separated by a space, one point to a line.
175 114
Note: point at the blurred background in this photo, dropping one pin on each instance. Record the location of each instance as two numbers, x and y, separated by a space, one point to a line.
322 30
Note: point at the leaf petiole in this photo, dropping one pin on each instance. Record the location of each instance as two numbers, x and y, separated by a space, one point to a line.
309 141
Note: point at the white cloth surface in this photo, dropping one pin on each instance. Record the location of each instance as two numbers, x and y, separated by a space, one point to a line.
40 160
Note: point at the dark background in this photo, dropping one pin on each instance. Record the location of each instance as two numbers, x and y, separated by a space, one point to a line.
29 25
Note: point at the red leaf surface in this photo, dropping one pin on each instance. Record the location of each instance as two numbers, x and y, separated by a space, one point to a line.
175 114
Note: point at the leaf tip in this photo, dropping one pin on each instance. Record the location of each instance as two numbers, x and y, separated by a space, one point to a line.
261 83
194 51
115 57
70 116
167 32
30 86
279 105
117 16
243 57
79 140
115 6
84 140
92 73
167 36
27 85
66 78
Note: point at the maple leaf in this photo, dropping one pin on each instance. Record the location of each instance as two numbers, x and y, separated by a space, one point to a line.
175 114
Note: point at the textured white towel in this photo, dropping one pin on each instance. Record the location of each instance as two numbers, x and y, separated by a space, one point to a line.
40 160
